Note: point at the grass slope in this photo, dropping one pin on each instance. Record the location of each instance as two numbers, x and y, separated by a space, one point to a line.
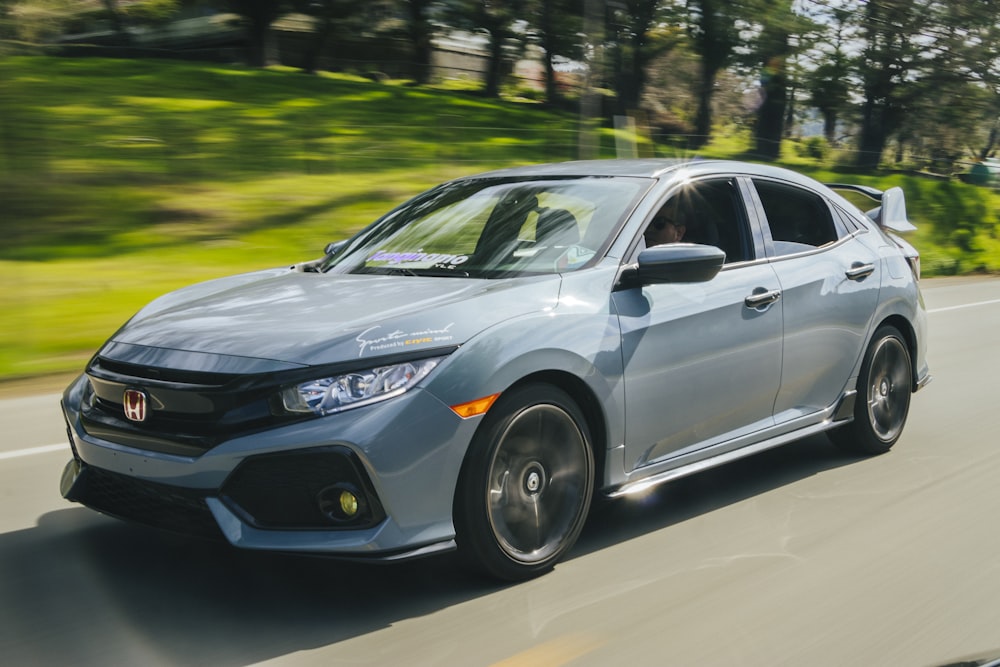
123 179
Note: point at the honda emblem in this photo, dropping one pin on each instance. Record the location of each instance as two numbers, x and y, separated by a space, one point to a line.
134 401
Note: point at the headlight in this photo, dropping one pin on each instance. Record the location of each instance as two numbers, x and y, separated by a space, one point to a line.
352 390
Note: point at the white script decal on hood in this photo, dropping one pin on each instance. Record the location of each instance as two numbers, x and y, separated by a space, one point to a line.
400 339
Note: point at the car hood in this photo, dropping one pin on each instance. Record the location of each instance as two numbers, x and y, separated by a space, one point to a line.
300 319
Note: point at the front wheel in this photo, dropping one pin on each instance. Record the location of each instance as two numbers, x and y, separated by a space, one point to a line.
525 487
883 401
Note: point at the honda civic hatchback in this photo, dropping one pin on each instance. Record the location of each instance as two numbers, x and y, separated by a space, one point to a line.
472 368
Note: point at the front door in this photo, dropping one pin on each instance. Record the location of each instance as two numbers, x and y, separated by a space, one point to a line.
702 365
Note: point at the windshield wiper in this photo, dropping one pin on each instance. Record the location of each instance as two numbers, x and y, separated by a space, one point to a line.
441 273
417 273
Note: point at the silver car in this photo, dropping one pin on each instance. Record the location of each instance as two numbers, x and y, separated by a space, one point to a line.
473 367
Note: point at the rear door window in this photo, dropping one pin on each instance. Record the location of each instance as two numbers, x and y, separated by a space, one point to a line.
798 220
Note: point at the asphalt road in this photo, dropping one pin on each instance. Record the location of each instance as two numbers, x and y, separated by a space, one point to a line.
799 556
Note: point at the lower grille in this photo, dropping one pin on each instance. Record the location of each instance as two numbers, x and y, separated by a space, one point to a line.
172 508
284 490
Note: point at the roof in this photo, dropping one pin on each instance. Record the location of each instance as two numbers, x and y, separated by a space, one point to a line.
647 168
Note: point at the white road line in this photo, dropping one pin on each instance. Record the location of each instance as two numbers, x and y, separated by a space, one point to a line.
964 305
45 449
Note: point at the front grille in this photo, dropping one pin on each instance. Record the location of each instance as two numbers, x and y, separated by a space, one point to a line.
172 508
187 413
126 369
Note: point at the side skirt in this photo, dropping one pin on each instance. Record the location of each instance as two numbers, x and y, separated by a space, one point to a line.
841 414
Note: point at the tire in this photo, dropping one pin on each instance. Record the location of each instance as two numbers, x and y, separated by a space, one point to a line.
883 401
526 484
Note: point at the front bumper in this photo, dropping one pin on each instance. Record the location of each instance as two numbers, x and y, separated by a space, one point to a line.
400 459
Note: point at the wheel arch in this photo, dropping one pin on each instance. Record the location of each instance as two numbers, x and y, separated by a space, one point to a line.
905 328
588 403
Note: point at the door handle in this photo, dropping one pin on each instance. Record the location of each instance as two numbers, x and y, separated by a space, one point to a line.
761 299
860 271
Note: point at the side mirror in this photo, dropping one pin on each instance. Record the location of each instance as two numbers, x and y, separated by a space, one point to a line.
333 247
312 266
679 263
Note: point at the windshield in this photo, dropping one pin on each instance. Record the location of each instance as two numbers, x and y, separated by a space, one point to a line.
489 228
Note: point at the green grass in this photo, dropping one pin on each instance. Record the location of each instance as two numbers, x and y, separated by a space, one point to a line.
123 179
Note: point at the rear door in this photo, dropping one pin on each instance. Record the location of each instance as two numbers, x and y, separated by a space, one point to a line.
829 281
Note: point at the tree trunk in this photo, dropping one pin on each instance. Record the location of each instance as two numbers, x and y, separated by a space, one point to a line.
771 115
873 137
117 22
830 126
634 79
494 68
551 92
991 142
260 41
420 37
548 45
703 119
789 114
314 49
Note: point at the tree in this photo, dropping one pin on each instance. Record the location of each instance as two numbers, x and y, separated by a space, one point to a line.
640 32
559 23
826 81
8 25
892 31
328 14
972 51
713 29
35 20
259 15
420 30
117 20
926 70
149 12
497 20
770 55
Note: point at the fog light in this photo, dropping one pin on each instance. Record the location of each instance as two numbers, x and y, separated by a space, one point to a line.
348 504
341 503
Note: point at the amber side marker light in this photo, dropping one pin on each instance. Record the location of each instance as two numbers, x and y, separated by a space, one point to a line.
473 408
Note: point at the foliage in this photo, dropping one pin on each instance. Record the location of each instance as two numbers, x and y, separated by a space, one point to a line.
35 20
420 32
122 179
559 26
497 19
258 15
922 76
815 148
141 133
825 78
638 31
714 30
151 11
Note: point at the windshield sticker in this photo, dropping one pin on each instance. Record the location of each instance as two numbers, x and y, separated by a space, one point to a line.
418 257
574 257
368 341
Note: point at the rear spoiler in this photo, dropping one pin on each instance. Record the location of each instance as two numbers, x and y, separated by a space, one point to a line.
891 214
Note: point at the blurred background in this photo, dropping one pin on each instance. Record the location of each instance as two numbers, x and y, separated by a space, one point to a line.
148 144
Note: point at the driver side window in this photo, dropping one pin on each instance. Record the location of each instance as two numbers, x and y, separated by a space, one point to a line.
709 212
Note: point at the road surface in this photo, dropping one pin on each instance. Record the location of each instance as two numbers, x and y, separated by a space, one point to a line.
799 556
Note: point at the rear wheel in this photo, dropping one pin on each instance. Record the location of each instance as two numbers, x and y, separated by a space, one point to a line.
526 484
883 401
